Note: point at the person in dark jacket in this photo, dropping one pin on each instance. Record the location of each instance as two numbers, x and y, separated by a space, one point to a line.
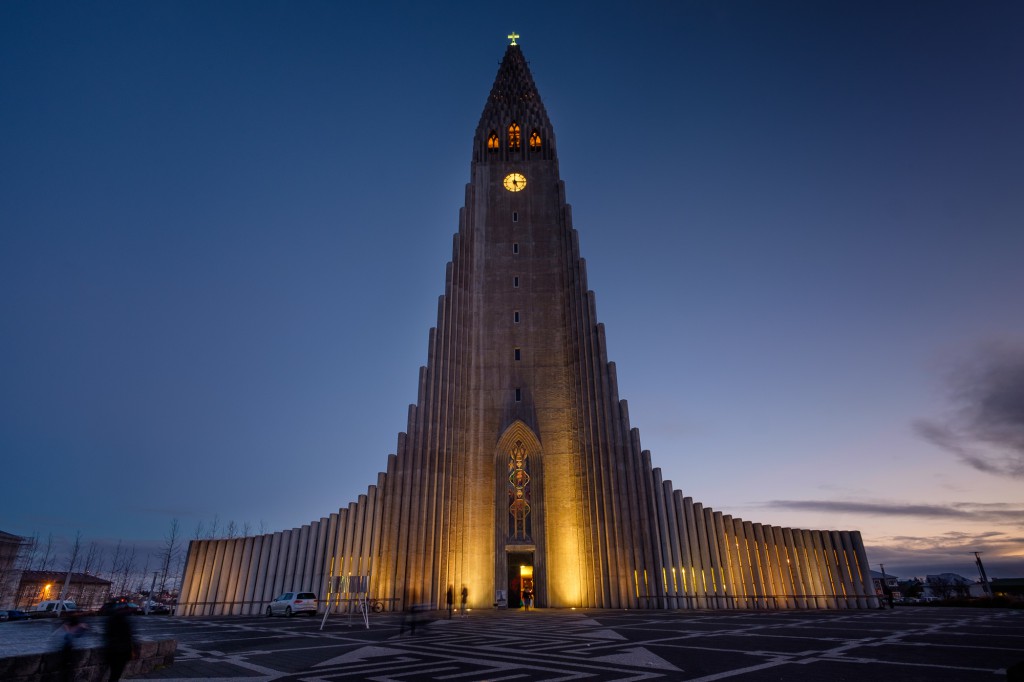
118 641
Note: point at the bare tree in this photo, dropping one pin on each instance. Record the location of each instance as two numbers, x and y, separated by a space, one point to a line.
115 568
127 568
92 564
246 529
142 577
263 527
231 531
76 550
169 553
198 534
46 562
214 527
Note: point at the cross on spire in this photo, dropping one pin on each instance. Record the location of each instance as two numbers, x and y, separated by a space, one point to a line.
513 36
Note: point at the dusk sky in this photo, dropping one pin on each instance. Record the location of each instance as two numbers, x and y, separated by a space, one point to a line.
224 229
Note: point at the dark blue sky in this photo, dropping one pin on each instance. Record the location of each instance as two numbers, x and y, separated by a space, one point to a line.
223 230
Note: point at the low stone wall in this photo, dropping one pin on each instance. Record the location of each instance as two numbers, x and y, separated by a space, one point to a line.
89 664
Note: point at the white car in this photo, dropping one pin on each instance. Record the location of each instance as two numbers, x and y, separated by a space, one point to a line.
290 603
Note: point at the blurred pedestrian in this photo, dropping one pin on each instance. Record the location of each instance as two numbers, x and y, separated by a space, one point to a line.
71 628
450 599
118 641
465 597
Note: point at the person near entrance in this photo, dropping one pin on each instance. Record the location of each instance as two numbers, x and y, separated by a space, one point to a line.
450 599
527 598
465 597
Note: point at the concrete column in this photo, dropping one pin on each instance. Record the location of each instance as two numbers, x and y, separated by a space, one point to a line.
796 568
213 589
865 570
735 585
260 570
748 571
693 512
768 578
675 555
812 569
851 570
686 558
240 573
833 584
762 583
715 548
252 576
278 567
780 572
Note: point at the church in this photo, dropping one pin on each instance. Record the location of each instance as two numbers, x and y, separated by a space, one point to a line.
518 475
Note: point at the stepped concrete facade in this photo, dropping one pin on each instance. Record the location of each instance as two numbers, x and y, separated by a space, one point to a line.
519 474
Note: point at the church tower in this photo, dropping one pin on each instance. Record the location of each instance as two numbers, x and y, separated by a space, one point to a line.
519 472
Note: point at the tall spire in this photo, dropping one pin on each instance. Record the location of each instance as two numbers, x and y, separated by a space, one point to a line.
514 99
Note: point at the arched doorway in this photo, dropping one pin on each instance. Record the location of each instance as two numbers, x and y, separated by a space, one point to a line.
519 531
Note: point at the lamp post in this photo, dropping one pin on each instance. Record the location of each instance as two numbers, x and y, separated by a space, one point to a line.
149 600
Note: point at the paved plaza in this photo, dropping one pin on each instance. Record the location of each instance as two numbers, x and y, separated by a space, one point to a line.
930 644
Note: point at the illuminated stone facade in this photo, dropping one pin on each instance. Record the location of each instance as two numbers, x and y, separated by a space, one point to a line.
519 469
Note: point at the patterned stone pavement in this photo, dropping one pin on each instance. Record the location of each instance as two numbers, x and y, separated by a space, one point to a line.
930 644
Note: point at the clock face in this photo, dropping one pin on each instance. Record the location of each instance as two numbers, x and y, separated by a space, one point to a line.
515 182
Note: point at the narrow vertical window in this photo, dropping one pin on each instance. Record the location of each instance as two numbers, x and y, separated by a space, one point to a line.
515 282
493 144
515 216
515 317
513 136
519 395
515 247
518 355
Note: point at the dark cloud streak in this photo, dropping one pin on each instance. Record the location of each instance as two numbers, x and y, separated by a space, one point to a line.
967 511
985 427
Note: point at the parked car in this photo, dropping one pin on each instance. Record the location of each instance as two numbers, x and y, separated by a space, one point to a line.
290 603
118 604
50 608
13 614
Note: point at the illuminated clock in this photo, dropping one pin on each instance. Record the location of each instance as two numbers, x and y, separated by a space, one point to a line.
515 182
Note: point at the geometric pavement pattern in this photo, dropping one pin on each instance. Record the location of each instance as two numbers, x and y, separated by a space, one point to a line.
926 644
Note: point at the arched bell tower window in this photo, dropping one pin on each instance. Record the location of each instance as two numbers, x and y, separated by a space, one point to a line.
493 143
535 143
513 136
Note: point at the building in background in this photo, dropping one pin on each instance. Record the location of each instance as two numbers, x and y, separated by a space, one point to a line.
12 548
87 591
519 469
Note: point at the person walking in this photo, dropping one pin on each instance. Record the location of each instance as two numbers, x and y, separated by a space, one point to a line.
465 597
70 629
450 599
118 641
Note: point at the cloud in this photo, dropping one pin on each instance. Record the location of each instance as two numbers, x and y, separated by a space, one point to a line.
985 423
965 511
949 552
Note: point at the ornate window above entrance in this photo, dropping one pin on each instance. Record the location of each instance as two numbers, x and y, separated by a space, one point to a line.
519 492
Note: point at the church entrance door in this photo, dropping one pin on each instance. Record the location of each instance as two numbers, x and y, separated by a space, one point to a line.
520 579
